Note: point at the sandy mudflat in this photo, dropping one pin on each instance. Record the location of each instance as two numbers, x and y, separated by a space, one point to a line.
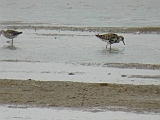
80 95
90 29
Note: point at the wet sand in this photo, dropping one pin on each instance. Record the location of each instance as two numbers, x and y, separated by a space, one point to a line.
135 30
125 97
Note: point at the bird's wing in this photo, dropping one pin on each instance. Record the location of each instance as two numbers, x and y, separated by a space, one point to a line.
113 38
12 32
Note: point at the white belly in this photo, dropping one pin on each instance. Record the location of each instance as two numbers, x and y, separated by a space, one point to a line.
10 36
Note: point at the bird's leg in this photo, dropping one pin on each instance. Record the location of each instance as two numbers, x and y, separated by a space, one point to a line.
110 47
106 46
12 42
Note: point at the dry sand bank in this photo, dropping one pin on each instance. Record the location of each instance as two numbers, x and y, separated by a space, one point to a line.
80 95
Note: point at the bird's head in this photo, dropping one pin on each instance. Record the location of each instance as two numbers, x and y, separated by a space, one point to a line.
121 38
1 32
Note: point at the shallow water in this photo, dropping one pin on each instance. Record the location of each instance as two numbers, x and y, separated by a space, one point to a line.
63 46
53 43
82 12
52 54
60 72
24 113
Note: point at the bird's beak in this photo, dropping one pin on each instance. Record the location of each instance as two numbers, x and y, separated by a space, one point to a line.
123 42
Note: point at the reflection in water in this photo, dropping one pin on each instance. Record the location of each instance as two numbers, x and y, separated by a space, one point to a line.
10 47
112 51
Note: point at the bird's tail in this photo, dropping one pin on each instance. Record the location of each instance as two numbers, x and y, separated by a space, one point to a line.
98 35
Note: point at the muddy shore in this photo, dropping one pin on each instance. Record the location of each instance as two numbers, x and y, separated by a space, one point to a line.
80 95
46 26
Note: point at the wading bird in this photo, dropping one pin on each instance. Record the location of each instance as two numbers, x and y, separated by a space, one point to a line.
10 34
110 38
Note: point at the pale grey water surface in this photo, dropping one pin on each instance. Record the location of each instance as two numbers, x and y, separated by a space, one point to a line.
82 12
83 47
28 113
45 41
50 54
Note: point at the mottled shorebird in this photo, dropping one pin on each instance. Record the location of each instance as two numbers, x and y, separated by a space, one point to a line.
110 38
10 34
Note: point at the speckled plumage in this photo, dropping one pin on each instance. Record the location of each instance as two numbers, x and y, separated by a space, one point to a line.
110 38
10 34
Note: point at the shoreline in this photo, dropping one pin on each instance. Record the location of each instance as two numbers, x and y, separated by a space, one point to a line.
100 29
69 94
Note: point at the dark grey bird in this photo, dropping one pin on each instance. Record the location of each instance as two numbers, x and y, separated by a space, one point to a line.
10 34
